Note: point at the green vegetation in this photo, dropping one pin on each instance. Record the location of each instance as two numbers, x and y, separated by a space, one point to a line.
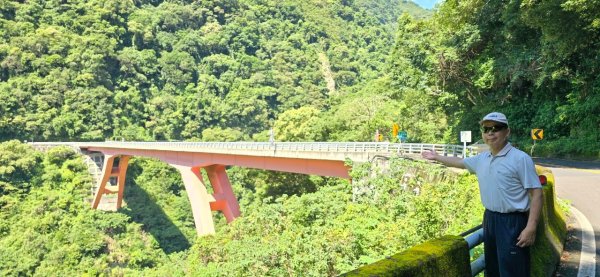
537 62
164 70
445 256
50 229
233 69
230 70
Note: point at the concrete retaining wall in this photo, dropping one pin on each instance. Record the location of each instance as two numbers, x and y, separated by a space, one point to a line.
445 256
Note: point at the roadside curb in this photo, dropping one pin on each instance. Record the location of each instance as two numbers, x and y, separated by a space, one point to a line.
587 260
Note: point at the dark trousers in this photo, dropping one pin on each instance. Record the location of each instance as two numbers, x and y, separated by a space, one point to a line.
502 256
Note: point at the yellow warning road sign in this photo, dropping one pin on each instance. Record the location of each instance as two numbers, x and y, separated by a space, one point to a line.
537 134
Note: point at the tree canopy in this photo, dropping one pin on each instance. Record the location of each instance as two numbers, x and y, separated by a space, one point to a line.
233 70
170 70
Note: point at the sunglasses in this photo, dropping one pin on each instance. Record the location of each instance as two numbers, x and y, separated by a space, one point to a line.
493 129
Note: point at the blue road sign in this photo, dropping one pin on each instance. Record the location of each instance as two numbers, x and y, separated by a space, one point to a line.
402 136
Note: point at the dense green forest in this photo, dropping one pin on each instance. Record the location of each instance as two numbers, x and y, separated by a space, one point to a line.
47 228
175 70
538 61
313 70
230 70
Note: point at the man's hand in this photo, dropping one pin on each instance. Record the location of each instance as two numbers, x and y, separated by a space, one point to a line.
429 154
526 238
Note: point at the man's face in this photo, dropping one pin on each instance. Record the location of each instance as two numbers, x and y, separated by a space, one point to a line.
494 134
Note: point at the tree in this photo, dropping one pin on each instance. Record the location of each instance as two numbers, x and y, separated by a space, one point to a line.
298 125
19 168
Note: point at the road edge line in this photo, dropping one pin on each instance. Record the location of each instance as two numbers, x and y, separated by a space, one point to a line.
587 259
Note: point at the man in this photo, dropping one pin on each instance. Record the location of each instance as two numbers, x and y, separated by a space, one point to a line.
511 194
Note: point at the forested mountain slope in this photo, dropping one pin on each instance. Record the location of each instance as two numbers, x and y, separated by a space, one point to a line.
537 61
314 70
157 70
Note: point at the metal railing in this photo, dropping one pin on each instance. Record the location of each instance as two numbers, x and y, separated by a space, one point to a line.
474 237
347 147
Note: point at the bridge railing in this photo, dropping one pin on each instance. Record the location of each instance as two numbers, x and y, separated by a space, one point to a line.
474 237
372 147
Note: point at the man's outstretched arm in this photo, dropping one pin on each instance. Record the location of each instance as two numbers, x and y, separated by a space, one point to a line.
447 161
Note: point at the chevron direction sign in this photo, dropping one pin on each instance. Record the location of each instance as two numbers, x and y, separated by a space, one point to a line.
537 134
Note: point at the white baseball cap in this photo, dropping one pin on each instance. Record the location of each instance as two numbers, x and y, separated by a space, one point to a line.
495 116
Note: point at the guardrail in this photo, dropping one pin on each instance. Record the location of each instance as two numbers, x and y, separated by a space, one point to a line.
348 147
474 237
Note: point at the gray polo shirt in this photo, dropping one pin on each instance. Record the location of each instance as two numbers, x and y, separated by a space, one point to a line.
504 179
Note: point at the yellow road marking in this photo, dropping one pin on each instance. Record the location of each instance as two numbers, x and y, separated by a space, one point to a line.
595 171
550 165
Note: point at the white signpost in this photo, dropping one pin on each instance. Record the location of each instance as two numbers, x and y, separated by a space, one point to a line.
465 136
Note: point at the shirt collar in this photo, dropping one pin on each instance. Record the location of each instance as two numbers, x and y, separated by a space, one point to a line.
502 152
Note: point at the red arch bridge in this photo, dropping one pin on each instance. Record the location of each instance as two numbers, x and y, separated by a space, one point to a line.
108 162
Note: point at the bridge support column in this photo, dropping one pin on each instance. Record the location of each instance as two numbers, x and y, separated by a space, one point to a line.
225 200
121 171
199 199
108 171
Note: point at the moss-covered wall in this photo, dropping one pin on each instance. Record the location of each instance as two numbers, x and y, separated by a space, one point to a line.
445 256
449 255
551 231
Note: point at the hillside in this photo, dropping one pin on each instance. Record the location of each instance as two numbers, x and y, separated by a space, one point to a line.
163 70
291 224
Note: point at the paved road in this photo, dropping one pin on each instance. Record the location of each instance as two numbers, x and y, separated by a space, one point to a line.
578 182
